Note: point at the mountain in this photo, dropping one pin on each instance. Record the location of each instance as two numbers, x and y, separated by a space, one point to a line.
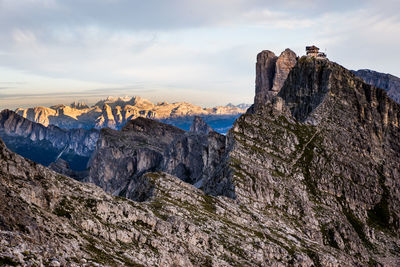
390 83
312 153
45 145
115 112
241 105
122 157
308 177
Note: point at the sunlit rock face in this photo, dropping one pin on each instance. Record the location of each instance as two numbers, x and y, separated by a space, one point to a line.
116 112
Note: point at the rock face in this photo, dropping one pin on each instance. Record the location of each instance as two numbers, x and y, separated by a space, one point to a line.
127 154
284 64
390 83
145 145
271 73
46 144
115 112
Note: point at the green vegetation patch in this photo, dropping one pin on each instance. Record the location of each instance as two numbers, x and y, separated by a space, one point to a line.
91 204
329 236
314 257
209 204
156 206
358 226
64 208
379 215
7 261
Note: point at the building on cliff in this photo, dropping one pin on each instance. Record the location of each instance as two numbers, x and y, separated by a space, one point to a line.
313 51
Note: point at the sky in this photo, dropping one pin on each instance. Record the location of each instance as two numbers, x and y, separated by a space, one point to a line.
203 52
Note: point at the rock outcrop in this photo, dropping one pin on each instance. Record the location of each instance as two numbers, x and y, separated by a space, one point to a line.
271 73
115 112
199 126
46 144
389 82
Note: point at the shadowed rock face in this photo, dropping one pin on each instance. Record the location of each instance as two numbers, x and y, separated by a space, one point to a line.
145 145
127 154
45 144
284 65
265 73
388 82
271 73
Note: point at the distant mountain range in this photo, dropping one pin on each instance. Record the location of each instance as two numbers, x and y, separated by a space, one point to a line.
115 112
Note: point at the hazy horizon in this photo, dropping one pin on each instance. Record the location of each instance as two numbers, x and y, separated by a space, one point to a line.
93 101
202 52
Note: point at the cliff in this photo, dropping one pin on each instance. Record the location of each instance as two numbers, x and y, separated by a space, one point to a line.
145 145
45 144
388 82
271 73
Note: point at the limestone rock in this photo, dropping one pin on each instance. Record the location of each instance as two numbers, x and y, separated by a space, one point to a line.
124 155
143 145
271 73
265 73
284 64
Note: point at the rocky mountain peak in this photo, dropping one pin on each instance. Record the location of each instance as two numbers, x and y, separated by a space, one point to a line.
79 105
271 73
200 126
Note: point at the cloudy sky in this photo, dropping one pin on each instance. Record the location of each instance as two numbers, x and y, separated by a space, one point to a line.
59 51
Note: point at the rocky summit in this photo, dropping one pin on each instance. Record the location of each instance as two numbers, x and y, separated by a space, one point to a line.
271 73
308 177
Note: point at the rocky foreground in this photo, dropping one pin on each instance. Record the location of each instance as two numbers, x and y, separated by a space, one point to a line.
308 177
